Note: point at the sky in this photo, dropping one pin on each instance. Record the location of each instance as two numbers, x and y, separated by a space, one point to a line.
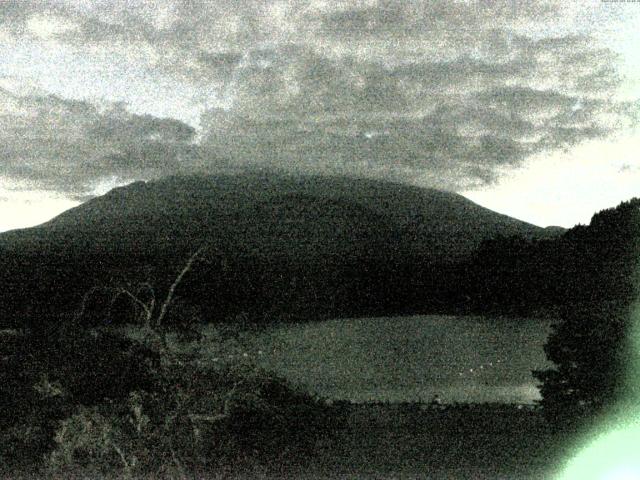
529 108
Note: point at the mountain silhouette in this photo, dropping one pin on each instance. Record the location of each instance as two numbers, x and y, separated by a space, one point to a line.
269 226
272 215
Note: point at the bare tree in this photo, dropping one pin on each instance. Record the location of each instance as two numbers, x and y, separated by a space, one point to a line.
143 295
172 290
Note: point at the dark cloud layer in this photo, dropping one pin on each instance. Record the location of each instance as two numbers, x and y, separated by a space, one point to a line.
67 145
439 92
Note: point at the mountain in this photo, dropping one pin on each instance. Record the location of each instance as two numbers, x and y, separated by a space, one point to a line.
323 229
275 215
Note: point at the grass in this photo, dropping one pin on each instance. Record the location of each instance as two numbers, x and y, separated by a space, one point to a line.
417 441
459 442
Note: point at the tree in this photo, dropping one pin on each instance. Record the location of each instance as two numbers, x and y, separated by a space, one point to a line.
590 345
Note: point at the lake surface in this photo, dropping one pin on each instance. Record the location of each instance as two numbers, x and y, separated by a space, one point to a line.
460 359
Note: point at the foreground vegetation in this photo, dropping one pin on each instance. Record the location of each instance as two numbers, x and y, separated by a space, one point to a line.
142 401
139 402
132 385
459 441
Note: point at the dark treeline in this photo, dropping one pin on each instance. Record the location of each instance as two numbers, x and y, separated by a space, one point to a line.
587 281
506 275
587 264
592 344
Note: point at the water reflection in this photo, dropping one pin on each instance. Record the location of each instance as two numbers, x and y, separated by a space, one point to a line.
461 359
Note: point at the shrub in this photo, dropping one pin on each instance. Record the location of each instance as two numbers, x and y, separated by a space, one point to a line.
50 371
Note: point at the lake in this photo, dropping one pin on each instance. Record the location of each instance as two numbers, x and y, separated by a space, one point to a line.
459 359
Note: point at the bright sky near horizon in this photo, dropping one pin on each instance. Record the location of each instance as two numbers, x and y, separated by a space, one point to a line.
529 108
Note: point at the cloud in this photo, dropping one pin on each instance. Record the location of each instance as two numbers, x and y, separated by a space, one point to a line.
446 93
66 145
438 92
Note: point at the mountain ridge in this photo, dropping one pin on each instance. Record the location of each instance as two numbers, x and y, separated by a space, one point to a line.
418 214
352 246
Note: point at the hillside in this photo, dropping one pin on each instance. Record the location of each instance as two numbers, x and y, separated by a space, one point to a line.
342 237
253 211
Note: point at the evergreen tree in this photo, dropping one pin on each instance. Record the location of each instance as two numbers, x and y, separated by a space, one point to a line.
589 345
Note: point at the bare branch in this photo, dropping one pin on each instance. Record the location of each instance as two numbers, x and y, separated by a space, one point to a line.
123 291
137 293
167 302
85 299
152 300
